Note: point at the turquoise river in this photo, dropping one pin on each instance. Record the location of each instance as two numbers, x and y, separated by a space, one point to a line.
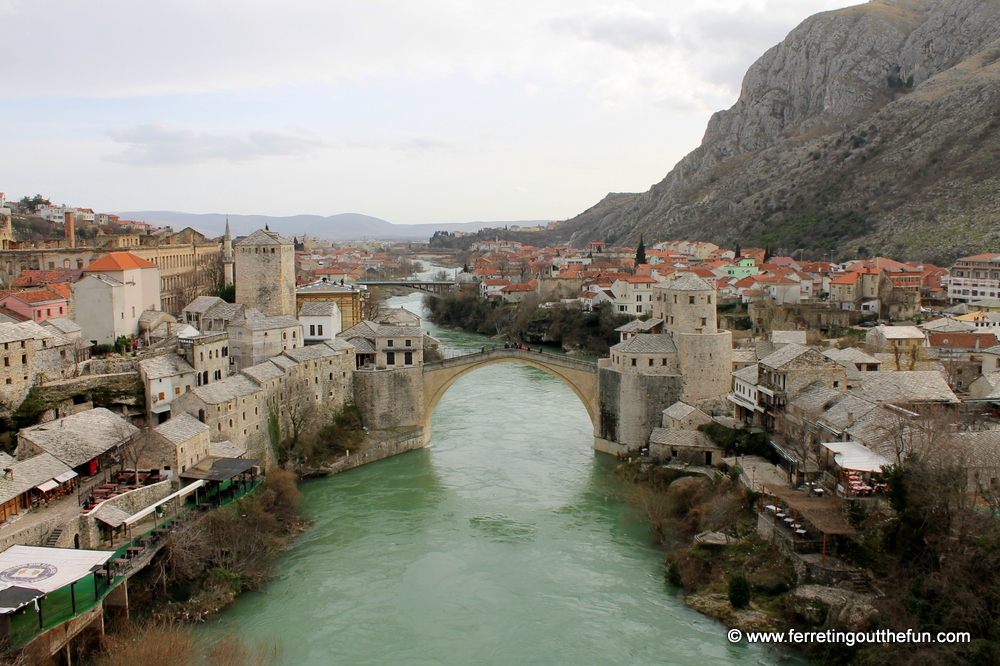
502 542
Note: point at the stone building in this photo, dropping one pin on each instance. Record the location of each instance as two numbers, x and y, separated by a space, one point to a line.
208 354
189 263
687 306
237 408
265 273
255 337
163 378
32 353
175 445
349 298
647 372
84 441
382 347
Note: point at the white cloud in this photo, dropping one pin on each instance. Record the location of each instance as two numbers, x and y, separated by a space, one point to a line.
157 145
623 26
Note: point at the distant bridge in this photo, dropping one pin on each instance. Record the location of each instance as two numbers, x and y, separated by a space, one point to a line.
581 376
433 287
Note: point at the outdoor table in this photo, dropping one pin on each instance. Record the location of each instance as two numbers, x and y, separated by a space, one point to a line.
800 531
770 507
132 551
789 520
819 491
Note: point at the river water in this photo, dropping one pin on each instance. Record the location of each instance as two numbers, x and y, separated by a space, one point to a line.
500 543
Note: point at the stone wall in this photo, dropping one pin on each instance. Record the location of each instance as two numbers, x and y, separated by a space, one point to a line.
390 398
706 362
409 440
631 405
130 502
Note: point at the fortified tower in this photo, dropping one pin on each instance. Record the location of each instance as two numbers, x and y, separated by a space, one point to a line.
265 266
687 305
227 256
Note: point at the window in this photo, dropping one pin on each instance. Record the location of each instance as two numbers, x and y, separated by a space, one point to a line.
704 321
650 362
675 299
708 300
6 361
633 361
409 343
390 358
312 329
408 358
319 329
638 298
690 300
622 308
163 396
24 359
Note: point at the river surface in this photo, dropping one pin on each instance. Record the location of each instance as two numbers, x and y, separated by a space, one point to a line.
501 543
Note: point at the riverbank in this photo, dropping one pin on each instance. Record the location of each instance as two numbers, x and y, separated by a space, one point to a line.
707 525
925 562
570 328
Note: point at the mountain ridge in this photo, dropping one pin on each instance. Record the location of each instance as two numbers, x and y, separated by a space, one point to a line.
340 227
867 129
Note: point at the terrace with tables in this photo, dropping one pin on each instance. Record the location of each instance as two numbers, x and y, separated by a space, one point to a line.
851 470
809 523
28 608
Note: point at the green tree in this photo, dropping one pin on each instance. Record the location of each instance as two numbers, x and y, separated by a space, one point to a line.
640 253
739 590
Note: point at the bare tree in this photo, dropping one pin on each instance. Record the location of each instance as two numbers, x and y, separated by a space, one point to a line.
132 444
300 411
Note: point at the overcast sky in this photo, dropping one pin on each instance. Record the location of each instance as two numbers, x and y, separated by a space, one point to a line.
415 111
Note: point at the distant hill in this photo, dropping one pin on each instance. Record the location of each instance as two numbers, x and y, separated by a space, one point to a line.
342 227
870 129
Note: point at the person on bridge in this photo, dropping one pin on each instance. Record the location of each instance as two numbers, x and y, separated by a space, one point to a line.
494 347
506 345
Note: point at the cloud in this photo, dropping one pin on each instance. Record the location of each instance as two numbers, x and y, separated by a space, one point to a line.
155 144
411 146
625 27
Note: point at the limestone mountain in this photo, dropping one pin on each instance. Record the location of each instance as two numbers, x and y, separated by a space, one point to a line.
868 129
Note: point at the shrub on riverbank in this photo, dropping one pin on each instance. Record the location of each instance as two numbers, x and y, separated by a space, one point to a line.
569 327
174 644
229 550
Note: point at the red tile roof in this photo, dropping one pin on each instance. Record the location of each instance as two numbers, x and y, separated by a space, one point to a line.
37 278
119 261
33 296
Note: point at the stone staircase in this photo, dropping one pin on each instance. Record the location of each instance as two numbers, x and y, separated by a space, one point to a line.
53 537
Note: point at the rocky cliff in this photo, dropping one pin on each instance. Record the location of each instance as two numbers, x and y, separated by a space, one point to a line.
868 129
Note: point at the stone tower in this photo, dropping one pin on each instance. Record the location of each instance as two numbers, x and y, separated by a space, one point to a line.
265 266
687 305
227 256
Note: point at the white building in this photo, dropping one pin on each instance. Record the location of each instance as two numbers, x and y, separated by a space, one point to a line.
99 301
320 321
140 280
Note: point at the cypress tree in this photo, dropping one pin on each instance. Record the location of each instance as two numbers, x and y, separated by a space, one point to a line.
640 253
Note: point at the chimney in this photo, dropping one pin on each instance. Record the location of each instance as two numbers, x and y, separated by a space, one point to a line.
70 229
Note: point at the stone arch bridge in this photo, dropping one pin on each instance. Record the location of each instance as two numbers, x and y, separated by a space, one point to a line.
435 288
580 376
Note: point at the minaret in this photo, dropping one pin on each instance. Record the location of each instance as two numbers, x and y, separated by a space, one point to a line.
227 256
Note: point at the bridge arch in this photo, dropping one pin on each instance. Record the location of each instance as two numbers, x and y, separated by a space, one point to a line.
580 376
